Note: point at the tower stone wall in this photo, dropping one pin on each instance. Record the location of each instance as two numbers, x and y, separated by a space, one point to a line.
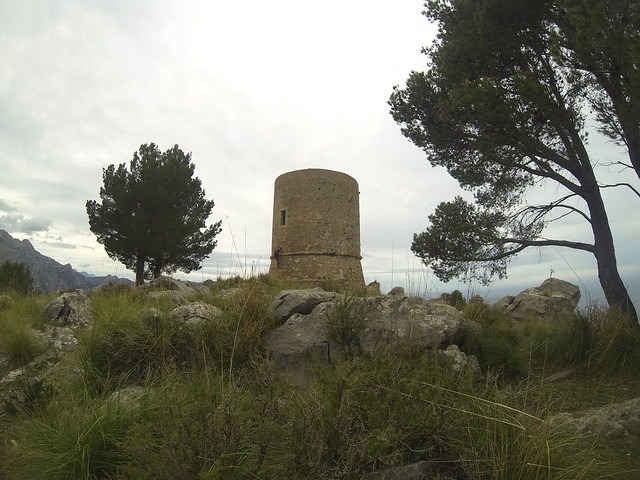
316 228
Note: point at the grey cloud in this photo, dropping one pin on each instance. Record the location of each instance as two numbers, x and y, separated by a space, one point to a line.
18 223
6 206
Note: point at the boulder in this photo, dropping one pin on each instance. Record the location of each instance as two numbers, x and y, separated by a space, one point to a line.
610 422
70 309
422 324
289 302
373 289
553 299
60 339
172 296
398 291
459 362
301 341
194 313
186 288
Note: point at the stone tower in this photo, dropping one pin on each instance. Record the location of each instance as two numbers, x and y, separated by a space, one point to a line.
316 228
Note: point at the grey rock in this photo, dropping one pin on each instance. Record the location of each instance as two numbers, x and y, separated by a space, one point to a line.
388 320
413 321
301 341
614 421
195 313
373 289
553 299
186 288
459 362
60 339
398 291
289 302
71 309
172 296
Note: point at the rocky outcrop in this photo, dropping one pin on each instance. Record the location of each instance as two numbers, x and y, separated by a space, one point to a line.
383 321
553 299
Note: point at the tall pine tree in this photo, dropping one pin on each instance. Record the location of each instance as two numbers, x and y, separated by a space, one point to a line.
152 216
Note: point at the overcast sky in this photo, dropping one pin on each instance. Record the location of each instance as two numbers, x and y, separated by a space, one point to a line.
252 89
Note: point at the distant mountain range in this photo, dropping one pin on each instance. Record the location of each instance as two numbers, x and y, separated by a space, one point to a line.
48 275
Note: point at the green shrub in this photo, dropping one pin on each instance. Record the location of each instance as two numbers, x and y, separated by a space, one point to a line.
20 343
502 442
345 324
205 426
615 343
499 348
74 441
455 299
15 277
235 338
34 398
559 343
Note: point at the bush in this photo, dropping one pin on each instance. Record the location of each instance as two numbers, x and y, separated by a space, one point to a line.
74 441
203 426
455 299
15 276
235 338
494 341
20 343
346 323
615 343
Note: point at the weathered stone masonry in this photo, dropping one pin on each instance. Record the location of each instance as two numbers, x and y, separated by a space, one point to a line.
316 228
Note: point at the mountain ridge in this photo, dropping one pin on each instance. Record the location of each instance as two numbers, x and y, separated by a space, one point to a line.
48 275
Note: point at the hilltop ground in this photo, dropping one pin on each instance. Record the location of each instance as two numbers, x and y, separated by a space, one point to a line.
142 397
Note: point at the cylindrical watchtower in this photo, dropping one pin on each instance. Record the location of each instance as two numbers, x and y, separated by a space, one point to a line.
316 228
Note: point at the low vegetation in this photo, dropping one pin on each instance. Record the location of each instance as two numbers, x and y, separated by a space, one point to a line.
143 399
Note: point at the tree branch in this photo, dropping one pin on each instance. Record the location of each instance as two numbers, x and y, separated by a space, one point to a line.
631 187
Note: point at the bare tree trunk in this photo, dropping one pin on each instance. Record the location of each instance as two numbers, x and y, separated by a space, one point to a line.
613 287
140 269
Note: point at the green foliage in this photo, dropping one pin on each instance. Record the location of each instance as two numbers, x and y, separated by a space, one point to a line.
345 324
34 398
503 442
154 212
20 343
455 299
137 341
205 427
498 349
560 343
237 337
504 105
132 340
614 343
15 277
75 441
